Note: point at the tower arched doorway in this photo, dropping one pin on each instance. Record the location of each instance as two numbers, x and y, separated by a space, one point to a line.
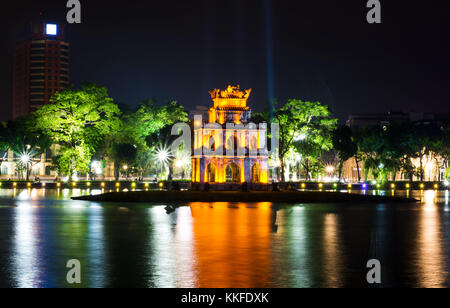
211 173
256 174
233 173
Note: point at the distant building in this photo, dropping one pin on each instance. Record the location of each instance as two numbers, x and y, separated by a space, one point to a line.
41 67
202 111
358 121
224 156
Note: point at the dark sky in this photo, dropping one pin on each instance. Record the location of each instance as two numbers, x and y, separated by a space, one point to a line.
322 50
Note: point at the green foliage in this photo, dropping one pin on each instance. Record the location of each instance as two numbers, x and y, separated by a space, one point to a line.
388 150
78 120
298 118
22 138
344 144
124 154
150 118
307 127
142 129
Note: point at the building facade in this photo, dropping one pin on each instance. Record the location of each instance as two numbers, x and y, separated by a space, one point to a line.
42 167
228 149
40 68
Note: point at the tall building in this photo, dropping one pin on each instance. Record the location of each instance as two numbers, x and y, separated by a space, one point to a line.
41 67
228 149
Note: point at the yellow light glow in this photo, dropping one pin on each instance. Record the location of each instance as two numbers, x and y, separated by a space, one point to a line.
117 184
429 197
329 169
102 184
230 106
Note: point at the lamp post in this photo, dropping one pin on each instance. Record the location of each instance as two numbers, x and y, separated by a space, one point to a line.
25 158
125 168
162 155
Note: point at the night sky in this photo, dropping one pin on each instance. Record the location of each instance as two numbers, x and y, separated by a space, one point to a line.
322 50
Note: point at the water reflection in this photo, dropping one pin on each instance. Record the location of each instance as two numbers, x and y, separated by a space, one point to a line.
431 259
221 244
294 243
332 258
232 244
184 249
162 240
26 255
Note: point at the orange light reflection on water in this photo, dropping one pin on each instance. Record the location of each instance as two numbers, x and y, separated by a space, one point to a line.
430 255
242 235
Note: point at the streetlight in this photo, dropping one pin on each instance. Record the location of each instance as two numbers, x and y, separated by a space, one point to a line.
25 158
125 168
179 163
163 157
96 166
329 169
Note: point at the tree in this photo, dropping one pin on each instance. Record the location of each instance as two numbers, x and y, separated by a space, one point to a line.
123 154
424 142
26 142
370 142
149 118
445 150
4 145
313 127
161 141
305 127
152 125
344 145
77 120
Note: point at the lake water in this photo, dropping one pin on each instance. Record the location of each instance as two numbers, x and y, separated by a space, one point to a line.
221 244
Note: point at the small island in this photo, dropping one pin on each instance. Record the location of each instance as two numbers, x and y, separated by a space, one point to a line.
238 196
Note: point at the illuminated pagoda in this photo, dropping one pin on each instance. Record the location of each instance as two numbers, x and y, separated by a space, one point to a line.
228 149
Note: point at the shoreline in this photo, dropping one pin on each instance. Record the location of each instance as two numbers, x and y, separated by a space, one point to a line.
232 196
